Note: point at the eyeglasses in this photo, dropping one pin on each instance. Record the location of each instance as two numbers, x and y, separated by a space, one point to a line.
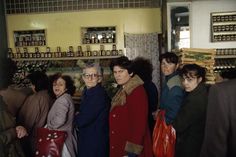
92 76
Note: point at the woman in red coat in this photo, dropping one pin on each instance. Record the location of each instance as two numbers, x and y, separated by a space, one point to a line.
129 131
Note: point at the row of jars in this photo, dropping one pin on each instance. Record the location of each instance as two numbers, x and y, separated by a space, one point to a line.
227 51
70 53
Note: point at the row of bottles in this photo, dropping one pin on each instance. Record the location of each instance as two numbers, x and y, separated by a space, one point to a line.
70 53
225 63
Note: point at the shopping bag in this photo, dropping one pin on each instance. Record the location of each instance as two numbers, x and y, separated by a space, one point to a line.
49 142
164 137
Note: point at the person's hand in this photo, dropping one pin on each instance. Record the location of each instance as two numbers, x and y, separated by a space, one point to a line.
21 132
154 114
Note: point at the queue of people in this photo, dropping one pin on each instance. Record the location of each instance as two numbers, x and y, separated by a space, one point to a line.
121 126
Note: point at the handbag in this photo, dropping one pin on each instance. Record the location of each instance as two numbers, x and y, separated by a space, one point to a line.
49 142
164 137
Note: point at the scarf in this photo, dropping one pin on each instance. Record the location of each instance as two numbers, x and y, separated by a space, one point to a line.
120 97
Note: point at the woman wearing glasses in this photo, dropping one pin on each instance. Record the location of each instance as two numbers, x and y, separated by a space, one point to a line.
92 119
190 120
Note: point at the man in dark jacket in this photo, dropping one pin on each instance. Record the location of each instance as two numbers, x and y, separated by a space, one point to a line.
220 132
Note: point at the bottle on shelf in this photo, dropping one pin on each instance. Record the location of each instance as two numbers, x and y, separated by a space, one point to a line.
80 52
70 53
48 52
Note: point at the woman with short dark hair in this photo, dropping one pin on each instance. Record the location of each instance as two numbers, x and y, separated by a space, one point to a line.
61 114
129 132
34 111
190 120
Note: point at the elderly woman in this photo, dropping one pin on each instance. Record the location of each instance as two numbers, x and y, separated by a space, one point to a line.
190 120
92 119
129 131
61 114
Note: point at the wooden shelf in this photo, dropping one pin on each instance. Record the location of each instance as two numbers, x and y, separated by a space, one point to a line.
224 56
65 58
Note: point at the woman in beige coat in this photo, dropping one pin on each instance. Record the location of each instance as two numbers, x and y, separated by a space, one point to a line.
61 115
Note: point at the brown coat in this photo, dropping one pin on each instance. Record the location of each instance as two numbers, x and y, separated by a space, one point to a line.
14 99
9 144
32 115
220 132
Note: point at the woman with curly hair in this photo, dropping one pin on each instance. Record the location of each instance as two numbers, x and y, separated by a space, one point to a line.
61 115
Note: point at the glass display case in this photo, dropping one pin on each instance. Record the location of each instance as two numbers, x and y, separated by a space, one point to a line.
30 38
98 35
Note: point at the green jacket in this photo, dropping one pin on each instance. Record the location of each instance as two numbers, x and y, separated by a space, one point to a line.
9 144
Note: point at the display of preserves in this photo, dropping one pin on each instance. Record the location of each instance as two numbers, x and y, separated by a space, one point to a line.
23 53
30 38
98 35
223 26
225 59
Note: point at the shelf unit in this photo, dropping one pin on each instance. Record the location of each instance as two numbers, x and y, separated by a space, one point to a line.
225 59
223 26
67 58
68 65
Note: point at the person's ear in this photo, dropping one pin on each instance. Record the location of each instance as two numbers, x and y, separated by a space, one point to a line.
176 66
199 79
131 74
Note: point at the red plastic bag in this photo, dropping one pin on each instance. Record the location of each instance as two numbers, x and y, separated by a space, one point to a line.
49 142
164 137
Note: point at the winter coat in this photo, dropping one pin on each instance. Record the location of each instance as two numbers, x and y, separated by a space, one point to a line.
60 117
92 122
9 144
129 131
33 114
190 123
172 95
220 131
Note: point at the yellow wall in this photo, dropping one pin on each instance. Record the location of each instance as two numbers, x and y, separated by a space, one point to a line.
63 29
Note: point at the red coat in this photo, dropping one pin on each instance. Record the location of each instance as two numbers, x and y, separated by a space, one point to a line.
129 123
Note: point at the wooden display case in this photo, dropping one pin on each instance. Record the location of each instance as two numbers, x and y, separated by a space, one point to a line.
223 26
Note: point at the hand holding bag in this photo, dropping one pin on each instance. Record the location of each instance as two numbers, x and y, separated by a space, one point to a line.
164 137
49 142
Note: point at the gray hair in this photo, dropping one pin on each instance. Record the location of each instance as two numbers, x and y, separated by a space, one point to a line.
96 66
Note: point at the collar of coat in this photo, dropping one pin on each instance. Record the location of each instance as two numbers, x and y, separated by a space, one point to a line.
120 97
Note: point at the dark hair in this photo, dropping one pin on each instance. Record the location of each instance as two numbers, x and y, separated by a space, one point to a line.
143 68
122 62
39 80
68 80
193 70
170 57
7 70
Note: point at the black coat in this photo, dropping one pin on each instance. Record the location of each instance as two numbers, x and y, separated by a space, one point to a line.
190 123
93 123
